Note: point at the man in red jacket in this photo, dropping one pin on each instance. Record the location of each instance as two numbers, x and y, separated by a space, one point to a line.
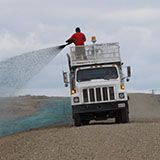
78 39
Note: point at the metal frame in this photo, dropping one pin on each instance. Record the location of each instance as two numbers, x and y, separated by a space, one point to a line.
96 53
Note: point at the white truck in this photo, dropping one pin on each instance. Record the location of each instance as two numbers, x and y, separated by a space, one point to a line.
97 83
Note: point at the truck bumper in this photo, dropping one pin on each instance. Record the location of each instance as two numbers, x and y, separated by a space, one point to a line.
99 107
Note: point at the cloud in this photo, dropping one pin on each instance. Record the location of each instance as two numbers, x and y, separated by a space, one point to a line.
12 44
30 25
131 16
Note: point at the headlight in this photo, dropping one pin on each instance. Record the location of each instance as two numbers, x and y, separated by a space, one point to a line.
122 86
76 99
73 91
121 95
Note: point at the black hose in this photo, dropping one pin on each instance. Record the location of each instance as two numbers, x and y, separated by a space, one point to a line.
68 43
61 46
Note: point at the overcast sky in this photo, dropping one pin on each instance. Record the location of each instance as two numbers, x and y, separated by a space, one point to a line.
26 25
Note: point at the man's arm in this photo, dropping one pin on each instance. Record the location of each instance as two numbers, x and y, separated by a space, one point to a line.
71 39
84 37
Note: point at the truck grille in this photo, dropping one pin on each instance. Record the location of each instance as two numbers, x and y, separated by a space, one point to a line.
98 94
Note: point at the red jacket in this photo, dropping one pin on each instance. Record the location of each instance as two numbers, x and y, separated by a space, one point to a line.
78 38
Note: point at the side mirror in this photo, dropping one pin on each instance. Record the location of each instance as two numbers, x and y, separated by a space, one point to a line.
65 79
128 71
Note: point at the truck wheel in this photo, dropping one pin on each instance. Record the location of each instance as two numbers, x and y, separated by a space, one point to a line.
124 115
85 122
118 117
77 120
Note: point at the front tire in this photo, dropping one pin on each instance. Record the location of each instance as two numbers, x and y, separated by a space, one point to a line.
118 117
77 120
124 115
85 122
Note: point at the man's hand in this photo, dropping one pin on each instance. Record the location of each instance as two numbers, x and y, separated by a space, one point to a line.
69 41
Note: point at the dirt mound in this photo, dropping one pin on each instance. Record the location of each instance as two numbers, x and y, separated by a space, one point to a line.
16 107
144 107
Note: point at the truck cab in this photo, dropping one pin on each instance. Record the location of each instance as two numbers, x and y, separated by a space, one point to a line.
97 83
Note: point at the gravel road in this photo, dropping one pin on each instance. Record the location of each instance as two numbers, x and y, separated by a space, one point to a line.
137 140
134 141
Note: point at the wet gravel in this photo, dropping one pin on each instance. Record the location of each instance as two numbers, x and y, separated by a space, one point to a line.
135 141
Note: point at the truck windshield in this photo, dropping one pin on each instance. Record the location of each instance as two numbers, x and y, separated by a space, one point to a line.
97 73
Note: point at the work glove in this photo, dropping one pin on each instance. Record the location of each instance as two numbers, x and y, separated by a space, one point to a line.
69 41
